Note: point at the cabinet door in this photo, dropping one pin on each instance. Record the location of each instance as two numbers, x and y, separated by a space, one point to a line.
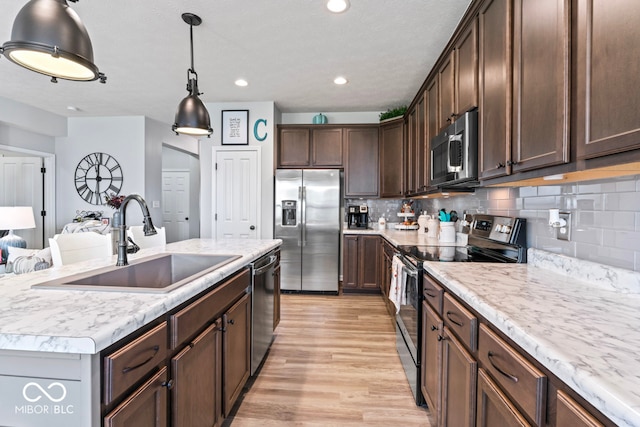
276 297
236 347
495 409
411 160
368 254
326 147
196 395
350 262
391 159
570 413
459 376
608 96
494 109
466 69
146 407
540 99
432 123
430 382
361 170
446 87
421 145
294 147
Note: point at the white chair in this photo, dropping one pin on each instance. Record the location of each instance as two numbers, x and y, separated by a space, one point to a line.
75 247
138 237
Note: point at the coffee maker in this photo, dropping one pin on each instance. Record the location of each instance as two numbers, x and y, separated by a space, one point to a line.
358 216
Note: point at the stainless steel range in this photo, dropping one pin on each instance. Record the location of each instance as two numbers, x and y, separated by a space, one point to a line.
490 239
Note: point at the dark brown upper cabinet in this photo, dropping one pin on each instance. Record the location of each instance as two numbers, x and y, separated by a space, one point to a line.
541 84
362 155
310 147
446 87
494 97
392 159
466 69
608 96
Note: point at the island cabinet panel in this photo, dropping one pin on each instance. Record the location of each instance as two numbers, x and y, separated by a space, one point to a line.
196 394
522 381
431 381
571 413
608 96
236 347
294 147
128 365
392 159
541 84
361 169
466 69
495 75
146 407
494 408
459 378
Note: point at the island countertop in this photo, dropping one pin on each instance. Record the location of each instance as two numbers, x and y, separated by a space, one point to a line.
85 322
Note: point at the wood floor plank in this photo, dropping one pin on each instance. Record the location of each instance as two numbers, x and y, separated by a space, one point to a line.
333 363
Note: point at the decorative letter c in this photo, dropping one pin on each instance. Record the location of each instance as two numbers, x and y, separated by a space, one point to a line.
255 130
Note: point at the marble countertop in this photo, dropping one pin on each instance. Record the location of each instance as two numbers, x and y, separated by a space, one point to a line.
85 322
579 319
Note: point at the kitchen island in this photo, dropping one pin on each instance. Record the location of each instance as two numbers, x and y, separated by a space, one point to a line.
57 335
576 318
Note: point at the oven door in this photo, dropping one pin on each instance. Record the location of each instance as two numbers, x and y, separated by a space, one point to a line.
408 317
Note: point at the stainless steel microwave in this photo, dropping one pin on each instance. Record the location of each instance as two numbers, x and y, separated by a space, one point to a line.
454 153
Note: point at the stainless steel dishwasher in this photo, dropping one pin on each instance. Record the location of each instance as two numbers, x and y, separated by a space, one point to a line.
262 299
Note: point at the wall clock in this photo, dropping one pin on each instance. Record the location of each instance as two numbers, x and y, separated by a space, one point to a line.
98 175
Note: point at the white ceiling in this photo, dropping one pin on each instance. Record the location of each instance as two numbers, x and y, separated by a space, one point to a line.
288 50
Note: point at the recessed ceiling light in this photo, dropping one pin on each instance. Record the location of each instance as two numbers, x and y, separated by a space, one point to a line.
338 6
241 83
72 108
340 80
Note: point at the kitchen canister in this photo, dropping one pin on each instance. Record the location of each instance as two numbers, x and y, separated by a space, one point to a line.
320 119
433 227
382 223
447 232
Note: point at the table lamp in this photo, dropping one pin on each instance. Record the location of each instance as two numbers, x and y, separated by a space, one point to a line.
14 218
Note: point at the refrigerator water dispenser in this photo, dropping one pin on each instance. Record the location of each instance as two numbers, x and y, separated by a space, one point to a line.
289 209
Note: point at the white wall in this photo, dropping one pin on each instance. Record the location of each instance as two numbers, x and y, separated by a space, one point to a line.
173 159
121 137
35 120
332 117
257 110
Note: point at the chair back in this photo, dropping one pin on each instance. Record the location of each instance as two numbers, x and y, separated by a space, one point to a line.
137 235
69 248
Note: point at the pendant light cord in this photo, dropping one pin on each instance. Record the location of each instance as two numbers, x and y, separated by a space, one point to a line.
192 84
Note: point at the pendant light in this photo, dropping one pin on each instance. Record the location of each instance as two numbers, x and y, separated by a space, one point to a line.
49 38
192 117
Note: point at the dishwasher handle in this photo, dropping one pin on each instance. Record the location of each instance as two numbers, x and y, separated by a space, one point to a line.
260 270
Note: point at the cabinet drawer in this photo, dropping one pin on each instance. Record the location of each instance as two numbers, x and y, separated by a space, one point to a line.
129 364
193 318
522 381
460 321
433 293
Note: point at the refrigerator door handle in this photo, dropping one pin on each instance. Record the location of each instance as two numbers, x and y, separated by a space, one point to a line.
304 215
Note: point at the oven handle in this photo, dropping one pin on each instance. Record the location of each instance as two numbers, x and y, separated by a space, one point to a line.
412 271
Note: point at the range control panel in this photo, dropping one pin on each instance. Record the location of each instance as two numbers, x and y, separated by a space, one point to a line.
498 228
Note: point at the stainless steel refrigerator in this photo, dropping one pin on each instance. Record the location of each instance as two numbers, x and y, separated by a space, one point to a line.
307 219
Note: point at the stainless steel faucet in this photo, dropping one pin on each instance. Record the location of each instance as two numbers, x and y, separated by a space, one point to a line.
148 228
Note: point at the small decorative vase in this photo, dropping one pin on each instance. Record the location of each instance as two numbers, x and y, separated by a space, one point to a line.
319 119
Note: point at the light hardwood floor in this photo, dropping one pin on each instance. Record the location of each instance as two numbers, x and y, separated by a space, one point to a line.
332 363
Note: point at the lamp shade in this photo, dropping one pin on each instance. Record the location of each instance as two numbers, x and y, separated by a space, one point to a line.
192 117
48 37
16 217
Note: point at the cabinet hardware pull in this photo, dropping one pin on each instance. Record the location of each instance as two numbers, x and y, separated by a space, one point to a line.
167 384
440 338
499 165
511 377
449 313
155 349
430 295
511 163
434 328
230 321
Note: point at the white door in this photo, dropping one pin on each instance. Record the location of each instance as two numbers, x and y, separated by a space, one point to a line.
22 186
175 205
237 197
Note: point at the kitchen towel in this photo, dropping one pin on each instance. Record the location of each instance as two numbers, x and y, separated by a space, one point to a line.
397 289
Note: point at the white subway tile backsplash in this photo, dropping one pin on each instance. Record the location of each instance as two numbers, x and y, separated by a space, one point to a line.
547 202
609 256
550 190
627 201
528 191
587 235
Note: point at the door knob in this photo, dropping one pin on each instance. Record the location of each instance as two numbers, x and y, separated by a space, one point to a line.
253 227
186 219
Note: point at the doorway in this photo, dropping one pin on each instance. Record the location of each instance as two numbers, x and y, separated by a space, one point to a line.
175 204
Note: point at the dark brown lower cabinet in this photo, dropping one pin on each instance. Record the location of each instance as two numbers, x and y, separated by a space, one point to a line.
236 347
432 327
495 408
570 413
360 256
146 407
276 297
459 378
196 395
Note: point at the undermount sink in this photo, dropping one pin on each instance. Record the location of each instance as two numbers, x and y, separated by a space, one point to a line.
156 274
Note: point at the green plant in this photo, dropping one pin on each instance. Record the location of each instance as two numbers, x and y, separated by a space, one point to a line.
393 112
